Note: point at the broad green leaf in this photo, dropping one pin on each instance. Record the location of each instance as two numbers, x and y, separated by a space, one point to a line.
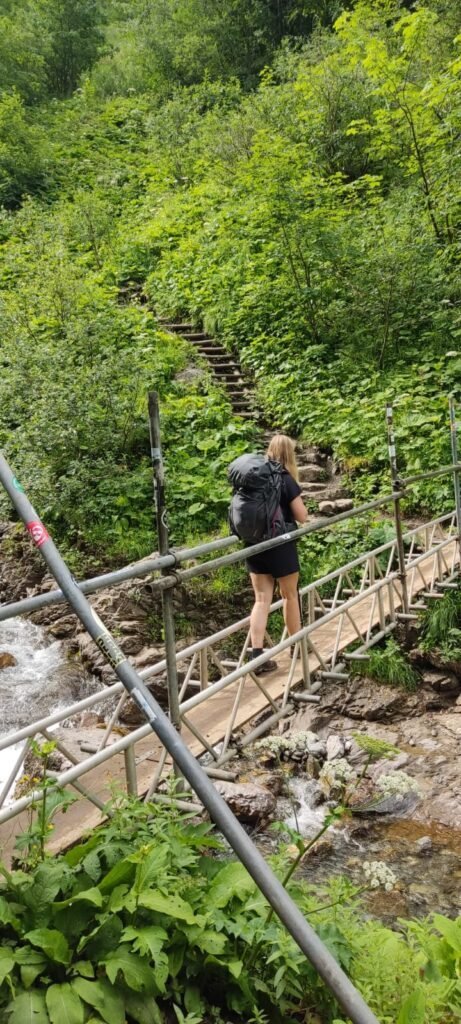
149 940
7 963
235 967
53 943
7 915
102 997
121 872
173 906
149 867
28 1008
451 931
92 895
84 967
137 972
413 1010
143 1009
232 880
64 1005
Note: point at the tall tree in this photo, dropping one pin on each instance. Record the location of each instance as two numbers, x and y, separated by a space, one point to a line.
73 28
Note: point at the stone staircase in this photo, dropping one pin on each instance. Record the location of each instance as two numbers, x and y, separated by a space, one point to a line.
320 482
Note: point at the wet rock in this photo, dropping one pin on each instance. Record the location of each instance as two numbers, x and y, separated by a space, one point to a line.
424 845
63 628
7 660
442 682
312 767
148 656
89 720
437 661
251 804
335 747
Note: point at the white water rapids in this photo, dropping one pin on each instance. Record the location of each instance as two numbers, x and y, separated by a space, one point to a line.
42 681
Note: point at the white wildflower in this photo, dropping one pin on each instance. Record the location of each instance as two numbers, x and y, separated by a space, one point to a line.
379 875
397 784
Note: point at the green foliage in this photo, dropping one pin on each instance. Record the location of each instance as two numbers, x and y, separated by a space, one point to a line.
388 665
375 748
441 626
134 949
22 153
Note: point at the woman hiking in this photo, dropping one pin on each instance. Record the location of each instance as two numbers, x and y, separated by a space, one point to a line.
280 563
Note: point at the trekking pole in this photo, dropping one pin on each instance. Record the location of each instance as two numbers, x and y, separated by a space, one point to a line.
301 931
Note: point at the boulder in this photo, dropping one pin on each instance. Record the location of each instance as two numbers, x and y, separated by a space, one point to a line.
7 660
335 747
251 804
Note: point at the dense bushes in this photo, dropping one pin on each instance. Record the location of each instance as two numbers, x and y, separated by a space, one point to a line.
140 923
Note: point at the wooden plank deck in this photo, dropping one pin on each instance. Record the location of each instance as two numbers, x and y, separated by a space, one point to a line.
210 717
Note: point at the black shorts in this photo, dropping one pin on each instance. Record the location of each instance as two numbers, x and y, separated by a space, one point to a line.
276 562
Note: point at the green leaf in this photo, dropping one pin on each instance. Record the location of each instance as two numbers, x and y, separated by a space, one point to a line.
121 872
148 868
7 963
232 880
172 906
28 1008
102 997
92 895
53 943
6 914
235 967
149 940
451 931
142 1009
137 972
413 1010
64 1005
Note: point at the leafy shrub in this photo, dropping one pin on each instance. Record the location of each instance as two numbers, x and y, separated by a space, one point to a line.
388 665
441 625
140 919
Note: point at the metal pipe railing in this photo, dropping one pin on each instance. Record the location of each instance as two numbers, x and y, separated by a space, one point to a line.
109 692
296 924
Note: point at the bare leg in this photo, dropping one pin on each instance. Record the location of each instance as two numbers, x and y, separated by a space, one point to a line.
263 586
289 591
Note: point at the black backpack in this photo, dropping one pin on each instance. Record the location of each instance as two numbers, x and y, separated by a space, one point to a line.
254 512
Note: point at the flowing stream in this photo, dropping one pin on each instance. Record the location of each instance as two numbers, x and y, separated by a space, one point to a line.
424 857
42 681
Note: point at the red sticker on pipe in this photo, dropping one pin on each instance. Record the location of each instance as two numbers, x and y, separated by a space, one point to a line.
38 533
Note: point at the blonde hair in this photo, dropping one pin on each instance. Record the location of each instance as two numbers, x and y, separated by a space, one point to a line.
282 449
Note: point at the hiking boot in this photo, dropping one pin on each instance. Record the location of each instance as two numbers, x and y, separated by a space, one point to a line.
267 666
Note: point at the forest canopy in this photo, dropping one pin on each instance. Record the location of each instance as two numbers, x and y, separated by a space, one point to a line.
286 174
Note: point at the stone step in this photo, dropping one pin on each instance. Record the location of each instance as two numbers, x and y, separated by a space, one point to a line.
231 377
177 328
211 349
313 488
310 472
197 336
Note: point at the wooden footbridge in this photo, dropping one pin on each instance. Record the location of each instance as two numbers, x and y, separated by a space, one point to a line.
221 705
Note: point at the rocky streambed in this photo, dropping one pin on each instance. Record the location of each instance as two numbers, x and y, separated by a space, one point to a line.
403 805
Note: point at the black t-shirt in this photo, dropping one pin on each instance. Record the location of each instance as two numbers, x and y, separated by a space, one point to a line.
290 490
